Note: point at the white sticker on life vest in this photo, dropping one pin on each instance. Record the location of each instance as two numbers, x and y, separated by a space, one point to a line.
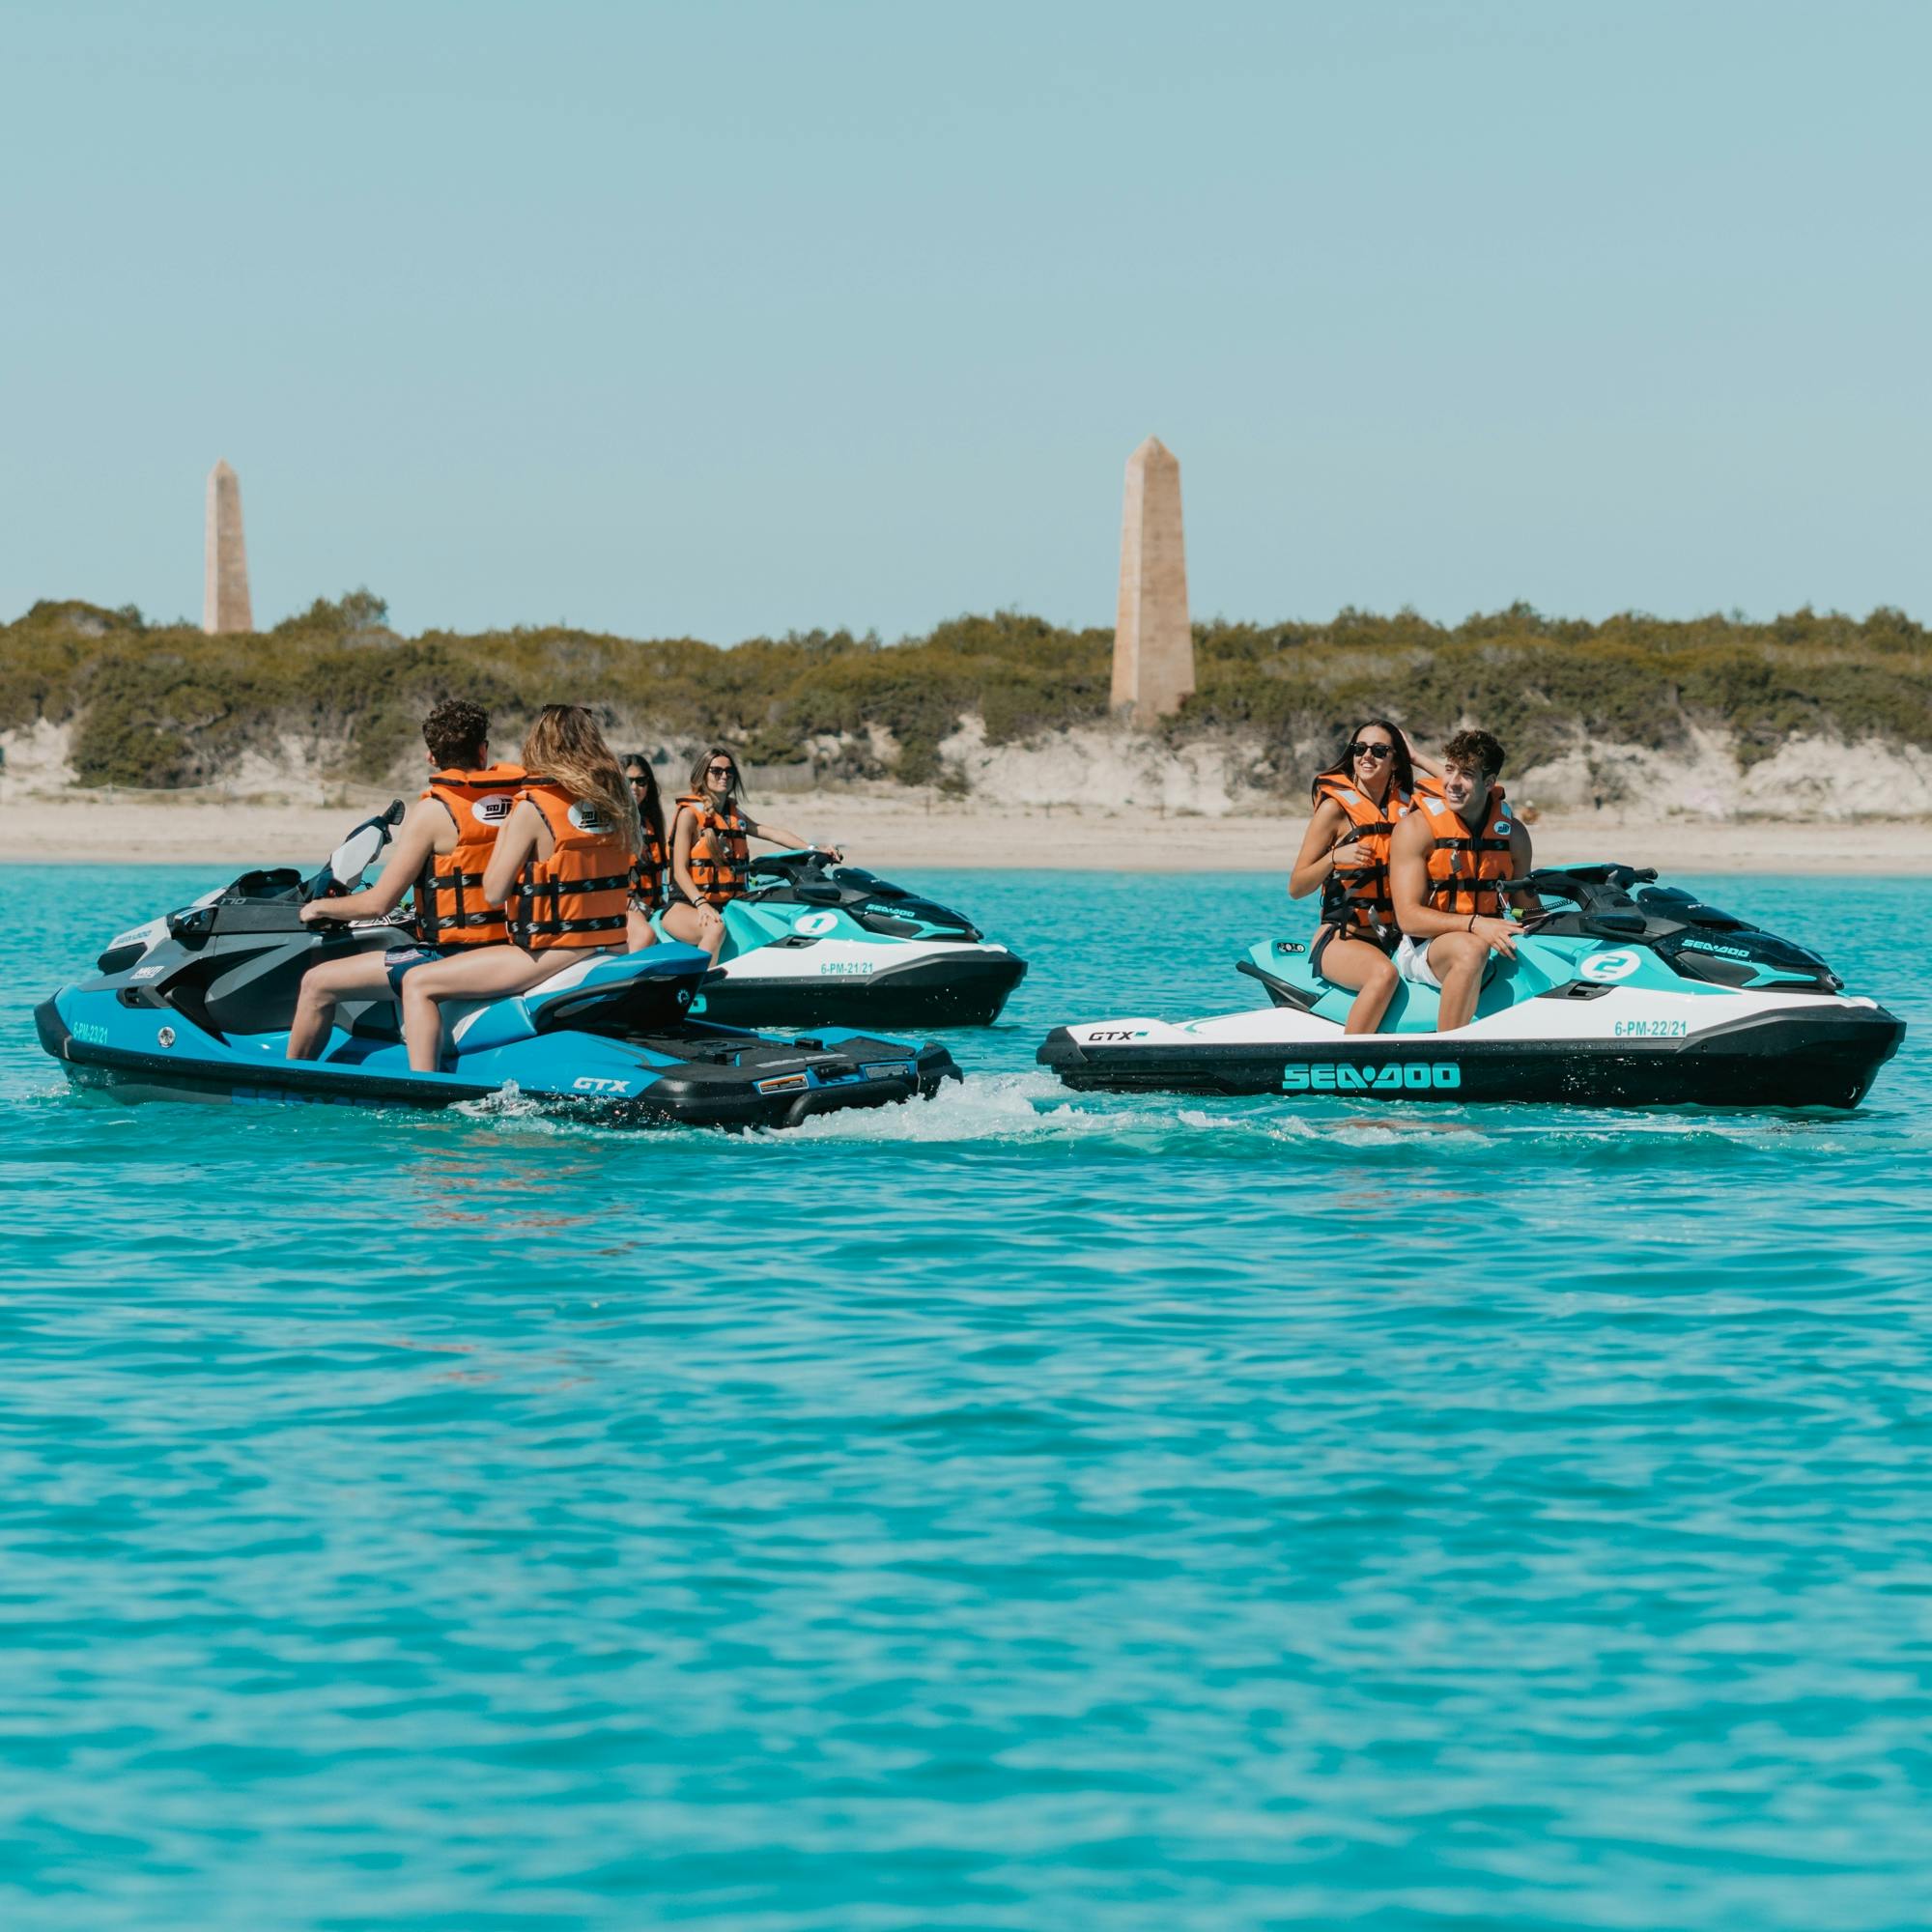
493 810
589 816
1610 965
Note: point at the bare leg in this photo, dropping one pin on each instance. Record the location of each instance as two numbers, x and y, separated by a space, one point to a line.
687 923
360 975
1369 972
638 931
1458 959
485 973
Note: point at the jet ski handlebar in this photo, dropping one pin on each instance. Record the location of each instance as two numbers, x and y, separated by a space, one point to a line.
1579 884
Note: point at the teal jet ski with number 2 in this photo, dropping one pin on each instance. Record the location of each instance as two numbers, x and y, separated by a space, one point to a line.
1625 993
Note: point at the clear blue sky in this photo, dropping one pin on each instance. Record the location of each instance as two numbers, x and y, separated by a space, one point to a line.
720 319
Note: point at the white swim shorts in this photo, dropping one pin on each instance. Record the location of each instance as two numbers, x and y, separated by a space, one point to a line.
1412 962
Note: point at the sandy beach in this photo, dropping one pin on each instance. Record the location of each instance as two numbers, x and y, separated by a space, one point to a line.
908 830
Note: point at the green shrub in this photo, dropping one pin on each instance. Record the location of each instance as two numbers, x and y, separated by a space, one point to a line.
166 705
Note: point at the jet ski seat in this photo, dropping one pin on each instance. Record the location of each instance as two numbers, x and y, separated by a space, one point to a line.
634 992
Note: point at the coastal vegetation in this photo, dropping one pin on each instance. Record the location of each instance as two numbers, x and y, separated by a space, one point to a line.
164 705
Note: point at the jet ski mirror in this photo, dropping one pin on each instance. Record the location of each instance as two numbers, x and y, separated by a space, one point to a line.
354 857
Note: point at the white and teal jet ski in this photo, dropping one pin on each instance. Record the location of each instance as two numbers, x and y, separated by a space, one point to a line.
813 943
1624 994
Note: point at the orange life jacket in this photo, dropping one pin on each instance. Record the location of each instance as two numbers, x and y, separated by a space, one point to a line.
577 896
449 904
720 854
647 874
1463 866
1357 902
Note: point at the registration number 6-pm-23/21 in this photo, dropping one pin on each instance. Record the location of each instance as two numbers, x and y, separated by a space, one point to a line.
1413 1076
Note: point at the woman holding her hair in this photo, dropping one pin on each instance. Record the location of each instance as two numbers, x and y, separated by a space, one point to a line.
1345 852
710 858
562 863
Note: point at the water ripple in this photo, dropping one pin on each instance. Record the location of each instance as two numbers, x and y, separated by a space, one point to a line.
1127 1513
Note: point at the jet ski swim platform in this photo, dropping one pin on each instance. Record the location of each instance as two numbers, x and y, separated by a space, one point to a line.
1624 994
197 1005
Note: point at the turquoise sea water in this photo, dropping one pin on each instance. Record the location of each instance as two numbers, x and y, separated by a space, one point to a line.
1020 1512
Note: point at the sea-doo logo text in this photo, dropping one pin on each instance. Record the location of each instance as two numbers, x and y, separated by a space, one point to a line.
1398 1076
589 1085
1601 966
812 923
1707 946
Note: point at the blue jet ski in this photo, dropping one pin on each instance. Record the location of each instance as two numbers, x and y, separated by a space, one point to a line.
812 944
196 1004
1625 993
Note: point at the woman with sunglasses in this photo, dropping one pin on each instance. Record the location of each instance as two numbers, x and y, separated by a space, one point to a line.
710 860
648 881
1345 853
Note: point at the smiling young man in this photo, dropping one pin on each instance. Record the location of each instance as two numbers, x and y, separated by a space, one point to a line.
1446 864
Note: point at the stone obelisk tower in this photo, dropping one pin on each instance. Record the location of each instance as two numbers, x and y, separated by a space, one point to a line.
1153 648
224 586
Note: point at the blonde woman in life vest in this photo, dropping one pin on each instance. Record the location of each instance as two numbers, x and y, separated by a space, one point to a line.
710 856
561 869
1359 801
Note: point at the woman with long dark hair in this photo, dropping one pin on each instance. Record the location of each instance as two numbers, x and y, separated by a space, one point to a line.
710 858
1345 855
647 887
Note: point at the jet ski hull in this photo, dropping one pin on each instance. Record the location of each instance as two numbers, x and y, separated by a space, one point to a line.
743 1083
1780 1059
954 986
812 944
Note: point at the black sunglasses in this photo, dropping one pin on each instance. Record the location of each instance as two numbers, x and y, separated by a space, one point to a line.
1359 750
721 771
